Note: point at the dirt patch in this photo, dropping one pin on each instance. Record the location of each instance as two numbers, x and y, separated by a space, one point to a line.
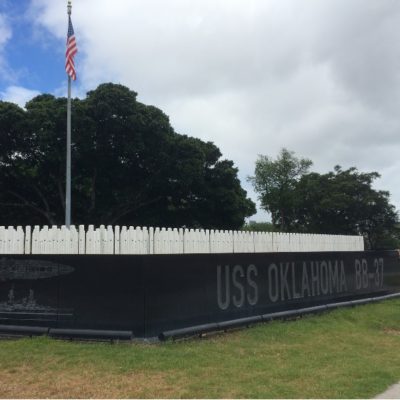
395 332
26 383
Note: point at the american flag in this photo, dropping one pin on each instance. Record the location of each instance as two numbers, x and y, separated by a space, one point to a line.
71 51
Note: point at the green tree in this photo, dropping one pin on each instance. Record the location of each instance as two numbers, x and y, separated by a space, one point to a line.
129 166
338 202
254 226
275 182
344 202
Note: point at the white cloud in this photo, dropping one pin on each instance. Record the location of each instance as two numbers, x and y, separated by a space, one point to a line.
18 95
320 78
5 31
5 36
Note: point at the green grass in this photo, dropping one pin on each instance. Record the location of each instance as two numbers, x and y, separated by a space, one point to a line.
349 353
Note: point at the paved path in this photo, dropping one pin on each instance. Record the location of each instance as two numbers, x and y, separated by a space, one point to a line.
392 393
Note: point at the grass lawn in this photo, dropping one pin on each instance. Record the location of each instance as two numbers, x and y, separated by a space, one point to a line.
343 354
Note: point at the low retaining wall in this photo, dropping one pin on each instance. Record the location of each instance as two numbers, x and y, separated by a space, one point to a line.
147 296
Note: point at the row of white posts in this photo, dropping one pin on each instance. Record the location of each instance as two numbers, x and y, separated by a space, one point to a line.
137 240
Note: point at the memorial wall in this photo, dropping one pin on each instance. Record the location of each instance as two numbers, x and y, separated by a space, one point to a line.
151 294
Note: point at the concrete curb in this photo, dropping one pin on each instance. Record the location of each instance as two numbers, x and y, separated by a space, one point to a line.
393 392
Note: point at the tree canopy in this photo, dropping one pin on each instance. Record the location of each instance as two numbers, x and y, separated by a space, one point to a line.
129 166
337 202
275 182
343 201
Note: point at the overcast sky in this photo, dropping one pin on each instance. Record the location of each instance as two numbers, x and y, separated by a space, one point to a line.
319 77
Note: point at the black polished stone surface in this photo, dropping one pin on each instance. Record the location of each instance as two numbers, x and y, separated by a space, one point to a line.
150 294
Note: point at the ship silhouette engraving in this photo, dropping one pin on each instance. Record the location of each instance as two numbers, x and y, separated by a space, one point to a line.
19 269
26 304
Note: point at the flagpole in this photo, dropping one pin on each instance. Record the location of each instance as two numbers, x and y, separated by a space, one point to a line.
68 174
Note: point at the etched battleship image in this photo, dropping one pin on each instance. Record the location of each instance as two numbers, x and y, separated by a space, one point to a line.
24 304
13 269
